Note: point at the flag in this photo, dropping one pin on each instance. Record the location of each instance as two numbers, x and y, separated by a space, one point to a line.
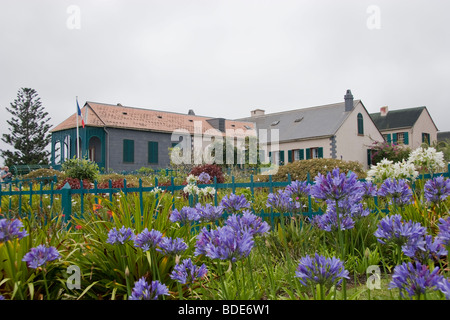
79 114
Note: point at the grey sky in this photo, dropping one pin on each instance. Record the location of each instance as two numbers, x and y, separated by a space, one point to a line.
225 58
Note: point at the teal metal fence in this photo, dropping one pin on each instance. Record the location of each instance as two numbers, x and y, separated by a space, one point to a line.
64 197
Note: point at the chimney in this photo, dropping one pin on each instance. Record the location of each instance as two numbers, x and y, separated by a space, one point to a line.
384 111
257 112
191 112
348 101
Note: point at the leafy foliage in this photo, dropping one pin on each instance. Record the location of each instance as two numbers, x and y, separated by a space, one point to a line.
212 169
392 152
28 130
82 169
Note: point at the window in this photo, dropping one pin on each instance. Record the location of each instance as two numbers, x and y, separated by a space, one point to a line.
402 138
360 124
426 138
153 152
128 151
314 153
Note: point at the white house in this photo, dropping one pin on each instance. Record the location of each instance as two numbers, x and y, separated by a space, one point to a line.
410 127
342 130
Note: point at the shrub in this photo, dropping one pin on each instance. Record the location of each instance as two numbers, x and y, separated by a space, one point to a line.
36 175
82 169
395 153
299 169
74 183
212 169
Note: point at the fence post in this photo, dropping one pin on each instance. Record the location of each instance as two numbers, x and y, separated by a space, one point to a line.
66 202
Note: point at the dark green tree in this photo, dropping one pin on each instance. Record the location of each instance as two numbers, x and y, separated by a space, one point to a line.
28 131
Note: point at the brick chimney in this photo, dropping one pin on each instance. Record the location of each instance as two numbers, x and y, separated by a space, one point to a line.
348 101
384 111
257 112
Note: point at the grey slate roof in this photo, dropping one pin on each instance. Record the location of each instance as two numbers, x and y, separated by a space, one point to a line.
321 121
403 118
443 136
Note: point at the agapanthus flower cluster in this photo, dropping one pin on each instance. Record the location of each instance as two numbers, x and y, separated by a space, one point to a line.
208 212
319 270
148 239
171 246
120 236
204 178
415 279
444 287
148 291
393 229
298 189
187 273
234 203
386 169
424 248
40 255
444 231
427 158
248 222
185 216
335 185
397 191
224 243
437 189
281 201
370 189
329 222
192 179
10 230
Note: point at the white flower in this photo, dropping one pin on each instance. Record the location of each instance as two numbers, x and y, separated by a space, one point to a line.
191 189
156 190
191 179
427 159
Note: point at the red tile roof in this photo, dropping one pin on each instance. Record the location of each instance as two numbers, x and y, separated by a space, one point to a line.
117 116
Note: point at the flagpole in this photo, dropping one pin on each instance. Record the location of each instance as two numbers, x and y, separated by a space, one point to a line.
78 133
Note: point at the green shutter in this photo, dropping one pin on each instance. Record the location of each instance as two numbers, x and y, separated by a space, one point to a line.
320 153
405 138
394 138
281 158
153 152
308 154
290 155
388 138
302 154
270 156
369 157
128 150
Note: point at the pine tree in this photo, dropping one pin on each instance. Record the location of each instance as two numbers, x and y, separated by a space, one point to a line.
29 131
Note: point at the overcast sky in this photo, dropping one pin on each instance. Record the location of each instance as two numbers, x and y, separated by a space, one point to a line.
225 58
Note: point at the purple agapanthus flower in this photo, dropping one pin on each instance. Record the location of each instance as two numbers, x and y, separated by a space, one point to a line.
2 297
328 221
148 239
444 231
248 222
397 191
120 236
319 270
204 178
424 248
335 185
437 189
298 189
224 243
234 203
444 287
40 255
394 229
414 279
187 273
370 189
282 202
209 213
185 215
10 229
148 291
171 246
